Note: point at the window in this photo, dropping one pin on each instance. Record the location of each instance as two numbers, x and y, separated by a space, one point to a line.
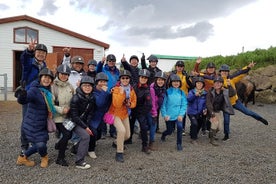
25 35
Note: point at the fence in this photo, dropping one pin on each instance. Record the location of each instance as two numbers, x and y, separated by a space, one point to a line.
4 88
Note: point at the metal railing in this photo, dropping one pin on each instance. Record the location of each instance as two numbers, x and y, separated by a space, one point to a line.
4 88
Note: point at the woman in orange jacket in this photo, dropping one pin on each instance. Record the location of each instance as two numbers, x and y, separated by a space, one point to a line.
123 100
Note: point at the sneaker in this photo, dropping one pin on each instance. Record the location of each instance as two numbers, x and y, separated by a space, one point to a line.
92 154
23 160
119 157
226 137
129 141
183 134
179 147
62 162
203 133
83 165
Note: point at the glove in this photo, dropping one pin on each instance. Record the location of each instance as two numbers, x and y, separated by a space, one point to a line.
20 90
143 57
154 120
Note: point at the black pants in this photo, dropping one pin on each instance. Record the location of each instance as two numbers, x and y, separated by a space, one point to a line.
97 133
62 143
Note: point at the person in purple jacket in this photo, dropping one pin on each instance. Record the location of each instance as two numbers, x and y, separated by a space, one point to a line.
157 92
196 107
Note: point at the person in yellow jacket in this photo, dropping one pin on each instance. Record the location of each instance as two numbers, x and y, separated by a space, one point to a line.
123 100
234 100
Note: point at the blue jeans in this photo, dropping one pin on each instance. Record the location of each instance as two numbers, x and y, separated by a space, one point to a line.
240 107
152 128
170 125
40 147
226 123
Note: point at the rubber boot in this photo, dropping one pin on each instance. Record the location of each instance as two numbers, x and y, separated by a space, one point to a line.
23 160
212 139
44 161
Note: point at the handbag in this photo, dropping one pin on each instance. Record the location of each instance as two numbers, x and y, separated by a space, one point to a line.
51 125
68 124
108 118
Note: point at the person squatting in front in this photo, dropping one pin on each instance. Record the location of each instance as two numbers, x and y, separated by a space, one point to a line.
40 106
103 100
218 99
143 107
196 107
63 92
123 100
81 111
173 109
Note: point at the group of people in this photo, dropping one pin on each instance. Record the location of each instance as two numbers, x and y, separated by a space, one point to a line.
128 96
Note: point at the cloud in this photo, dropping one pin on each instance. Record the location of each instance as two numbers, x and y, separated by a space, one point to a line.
3 7
48 8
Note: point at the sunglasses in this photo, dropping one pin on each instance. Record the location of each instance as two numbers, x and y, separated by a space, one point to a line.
125 78
113 61
180 65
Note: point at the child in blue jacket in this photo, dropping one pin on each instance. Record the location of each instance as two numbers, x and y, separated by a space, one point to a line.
173 109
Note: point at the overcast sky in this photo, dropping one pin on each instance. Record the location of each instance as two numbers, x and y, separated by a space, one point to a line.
168 27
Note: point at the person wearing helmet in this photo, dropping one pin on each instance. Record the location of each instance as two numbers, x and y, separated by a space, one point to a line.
235 101
92 68
186 83
40 106
152 68
196 107
143 107
62 91
217 99
82 108
132 66
103 101
32 60
157 92
123 100
173 109
112 73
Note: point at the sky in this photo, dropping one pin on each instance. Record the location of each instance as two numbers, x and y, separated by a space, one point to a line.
168 27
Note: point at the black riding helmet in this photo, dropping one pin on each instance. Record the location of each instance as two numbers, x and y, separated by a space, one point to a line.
64 69
92 62
101 76
133 57
144 73
199 79
41 47
224 67
161 75
175 77
125 73
46 71
87 79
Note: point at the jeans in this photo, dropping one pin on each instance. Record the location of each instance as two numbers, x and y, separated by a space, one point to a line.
169 130
40 147
226 123
152 127
23 138
240 107
196 124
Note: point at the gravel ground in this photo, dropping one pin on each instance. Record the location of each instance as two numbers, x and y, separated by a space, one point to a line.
248 157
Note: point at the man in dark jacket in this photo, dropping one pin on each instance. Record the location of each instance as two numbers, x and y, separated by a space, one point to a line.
152 68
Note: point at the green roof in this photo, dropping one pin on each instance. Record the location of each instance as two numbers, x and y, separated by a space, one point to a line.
175 57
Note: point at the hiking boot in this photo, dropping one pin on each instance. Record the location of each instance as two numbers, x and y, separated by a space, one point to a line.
62 162
119 157
92 154
152 146
44 161
23 160
146 150
264 121
83 165
226 137
179 147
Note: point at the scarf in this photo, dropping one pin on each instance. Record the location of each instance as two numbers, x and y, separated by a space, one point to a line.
49 100
127 91
160 93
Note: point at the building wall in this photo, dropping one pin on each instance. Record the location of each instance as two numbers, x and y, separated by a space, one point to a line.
47 36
